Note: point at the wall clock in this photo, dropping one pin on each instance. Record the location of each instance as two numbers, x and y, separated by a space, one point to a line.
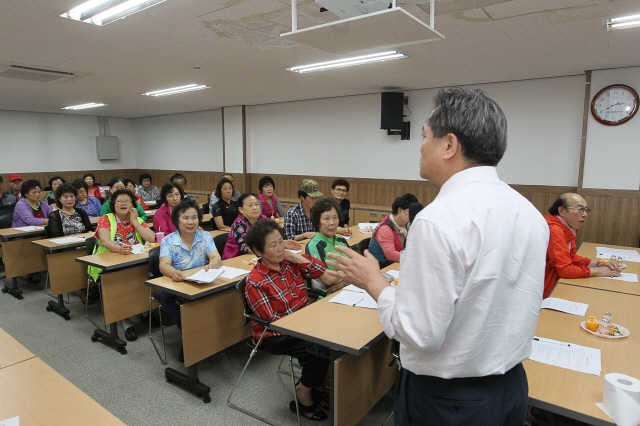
614 105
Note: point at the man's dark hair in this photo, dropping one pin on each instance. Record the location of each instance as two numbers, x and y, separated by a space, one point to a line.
182 207
79 183
340 182
28 185
258 232
244 197
561 201
321 206
221 182
65 188
403 201
302 194
144 176
178 176
167 188
264 180
115 195
56 178
475 119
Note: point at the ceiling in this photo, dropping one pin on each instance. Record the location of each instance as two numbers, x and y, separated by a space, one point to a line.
237 45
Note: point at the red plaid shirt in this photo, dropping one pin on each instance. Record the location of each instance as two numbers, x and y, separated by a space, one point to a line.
275 294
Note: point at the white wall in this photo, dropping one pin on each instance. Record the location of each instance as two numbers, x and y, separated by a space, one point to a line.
612 157
191 141
36 142
341 136
233 140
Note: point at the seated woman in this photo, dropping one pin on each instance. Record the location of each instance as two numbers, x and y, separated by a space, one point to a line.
118 230
29 210
325 217
170 196
145 190
270 204
187 248
90 205
54 182
93 191
115 185
225 210
566 217
276 288
390 237
130 185
68 219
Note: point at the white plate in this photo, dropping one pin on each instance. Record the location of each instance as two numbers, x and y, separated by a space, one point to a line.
623 330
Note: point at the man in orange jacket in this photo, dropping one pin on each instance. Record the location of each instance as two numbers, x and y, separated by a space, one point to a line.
566 217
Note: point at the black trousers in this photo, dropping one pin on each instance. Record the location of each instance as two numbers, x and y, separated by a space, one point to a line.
171 306
314 368
499 400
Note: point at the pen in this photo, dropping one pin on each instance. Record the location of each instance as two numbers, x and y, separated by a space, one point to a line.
555 343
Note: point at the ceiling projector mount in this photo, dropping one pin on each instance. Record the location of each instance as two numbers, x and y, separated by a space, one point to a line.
350 8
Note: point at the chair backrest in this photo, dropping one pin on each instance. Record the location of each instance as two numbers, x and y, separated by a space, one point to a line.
90 244
213 224
154 263
6 220
47 231
363 245
220 241
240 286
205 208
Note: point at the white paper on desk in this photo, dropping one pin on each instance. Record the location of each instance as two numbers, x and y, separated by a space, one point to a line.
346 237
573 308
367 227
29 228
620 254
393 273
13 421
231 273
625 276
137 249
354 289
148 211
205 277
350 298
67 240
566 355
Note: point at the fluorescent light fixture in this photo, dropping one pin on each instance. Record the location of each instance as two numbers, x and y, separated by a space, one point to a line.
623 22
176 90
347 62
85 106
103 12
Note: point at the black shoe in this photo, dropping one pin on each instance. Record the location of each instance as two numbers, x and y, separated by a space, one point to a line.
130 334
321 399
310 412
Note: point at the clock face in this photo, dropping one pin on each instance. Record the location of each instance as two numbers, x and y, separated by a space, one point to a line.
615 105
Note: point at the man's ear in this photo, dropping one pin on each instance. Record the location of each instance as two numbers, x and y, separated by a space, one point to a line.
452 146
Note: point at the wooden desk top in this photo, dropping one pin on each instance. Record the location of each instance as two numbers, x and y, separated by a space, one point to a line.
340 327
10 233
192 291
572 393
11 352
589 250
371 207
39 395
50 246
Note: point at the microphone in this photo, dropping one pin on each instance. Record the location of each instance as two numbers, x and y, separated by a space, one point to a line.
414 209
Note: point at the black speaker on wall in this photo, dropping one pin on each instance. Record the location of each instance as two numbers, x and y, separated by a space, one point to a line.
391 110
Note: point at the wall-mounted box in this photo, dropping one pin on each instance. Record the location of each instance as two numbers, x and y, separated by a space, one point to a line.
107 148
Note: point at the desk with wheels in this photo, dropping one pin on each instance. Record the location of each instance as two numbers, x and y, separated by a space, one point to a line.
589 250
571 393
362 368
20 256
65 274
205 306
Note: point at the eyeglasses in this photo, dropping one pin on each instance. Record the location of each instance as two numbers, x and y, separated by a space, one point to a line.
123 202
582 210
341 189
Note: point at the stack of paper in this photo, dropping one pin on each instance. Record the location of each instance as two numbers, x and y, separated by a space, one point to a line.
566 355
29 228
350 298
67 240
205 277
353 288
231 273
573 308
137 249
620 254
624 276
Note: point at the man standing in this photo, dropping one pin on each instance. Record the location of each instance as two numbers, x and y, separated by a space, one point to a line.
471 277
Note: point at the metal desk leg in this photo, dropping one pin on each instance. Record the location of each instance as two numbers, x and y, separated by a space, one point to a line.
111 338
13 290
189 381
58 307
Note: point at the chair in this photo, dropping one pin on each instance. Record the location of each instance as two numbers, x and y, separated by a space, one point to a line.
220 241
205 208
6 220
214 227
90 244
363 245
240 287
154 272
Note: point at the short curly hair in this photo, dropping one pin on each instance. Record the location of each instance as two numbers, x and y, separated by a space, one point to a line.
115 195
403 202
28 185
166 189
257 234
264 180
321 206
182 207
144 176
65 188
54 178
79 183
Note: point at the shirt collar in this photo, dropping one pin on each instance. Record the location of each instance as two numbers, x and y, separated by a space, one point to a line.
177 241
470 175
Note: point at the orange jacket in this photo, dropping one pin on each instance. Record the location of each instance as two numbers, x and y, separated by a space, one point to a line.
562 260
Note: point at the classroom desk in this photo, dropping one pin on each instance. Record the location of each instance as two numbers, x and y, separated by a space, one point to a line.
11 352
65 274
20 256
360 353
589 250
571 393
212 320
39 395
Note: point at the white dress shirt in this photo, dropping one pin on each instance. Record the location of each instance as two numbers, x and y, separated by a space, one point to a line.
471 280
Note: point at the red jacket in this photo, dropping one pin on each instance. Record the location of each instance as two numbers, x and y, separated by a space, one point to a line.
562 260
